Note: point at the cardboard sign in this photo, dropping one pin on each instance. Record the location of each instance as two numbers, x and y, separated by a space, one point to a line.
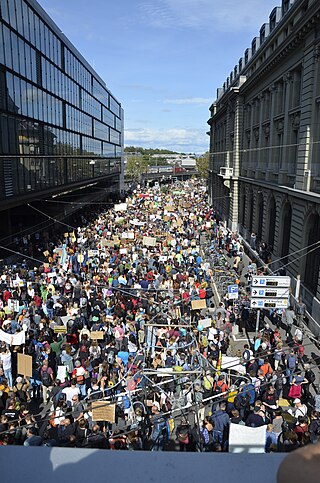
93 253
198 304
103 411
166 218
13 305
149 241
97 334
60 329
120 207
24 365
176 313
205 323
169 208
107 243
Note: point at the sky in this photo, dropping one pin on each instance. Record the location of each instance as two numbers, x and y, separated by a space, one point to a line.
162 59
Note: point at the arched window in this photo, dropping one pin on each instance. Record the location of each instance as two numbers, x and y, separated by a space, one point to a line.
286 228
311 273
260 215
250 211
272 222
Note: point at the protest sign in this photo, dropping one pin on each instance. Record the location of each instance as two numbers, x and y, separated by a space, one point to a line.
97 334
103 411
24 365
120 207
149 241
198 304
244 439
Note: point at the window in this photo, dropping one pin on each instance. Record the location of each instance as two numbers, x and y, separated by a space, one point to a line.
7 47
4 10
12 14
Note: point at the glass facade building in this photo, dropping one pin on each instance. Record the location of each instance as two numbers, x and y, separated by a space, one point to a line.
59 124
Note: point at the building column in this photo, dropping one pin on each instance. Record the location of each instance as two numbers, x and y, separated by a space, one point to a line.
273 95
285 152
234 188
303 179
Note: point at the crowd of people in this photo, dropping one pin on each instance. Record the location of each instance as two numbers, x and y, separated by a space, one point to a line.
124 344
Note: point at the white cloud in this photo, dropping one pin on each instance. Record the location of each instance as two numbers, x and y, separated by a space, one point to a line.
190 100
176 139
219 15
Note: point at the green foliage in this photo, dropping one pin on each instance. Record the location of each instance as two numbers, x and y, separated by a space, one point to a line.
147 151
136 166
203 165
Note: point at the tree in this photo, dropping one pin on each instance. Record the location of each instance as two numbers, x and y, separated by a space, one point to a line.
203 165
136 167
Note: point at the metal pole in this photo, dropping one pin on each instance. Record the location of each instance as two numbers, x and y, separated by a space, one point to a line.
257 324
297 291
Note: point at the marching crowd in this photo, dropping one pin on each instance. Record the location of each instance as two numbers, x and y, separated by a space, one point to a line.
115 341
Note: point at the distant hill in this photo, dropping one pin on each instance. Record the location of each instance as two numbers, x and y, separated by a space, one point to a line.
148 151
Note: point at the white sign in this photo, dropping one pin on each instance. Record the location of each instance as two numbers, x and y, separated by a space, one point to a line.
269 303
13 305
233 292
243 439
233 363
270 292
271 281
120 207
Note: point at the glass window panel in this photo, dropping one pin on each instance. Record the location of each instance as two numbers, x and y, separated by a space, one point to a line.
45 106
42 37
51 45
33 65
24 105
1 44
30 100
17 94
25 21
31 22
37 31
15 53
28 61
47 42
12 14
35 103
22 58
10 92
5 10
40 104
19 17
7 46
114 106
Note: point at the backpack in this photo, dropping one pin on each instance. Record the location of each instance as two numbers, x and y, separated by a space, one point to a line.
291 362
246 355
83 349
110 357
45 378
20 393
310 375
204 341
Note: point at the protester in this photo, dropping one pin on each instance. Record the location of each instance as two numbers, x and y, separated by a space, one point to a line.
111 318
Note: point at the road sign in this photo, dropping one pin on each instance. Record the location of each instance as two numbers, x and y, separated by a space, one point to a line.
270 292
233 292
269 303
269 281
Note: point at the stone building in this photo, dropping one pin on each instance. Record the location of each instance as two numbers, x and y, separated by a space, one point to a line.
264 174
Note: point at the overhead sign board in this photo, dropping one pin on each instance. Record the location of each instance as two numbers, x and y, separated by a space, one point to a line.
270 292
271 281
269 303
233 292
